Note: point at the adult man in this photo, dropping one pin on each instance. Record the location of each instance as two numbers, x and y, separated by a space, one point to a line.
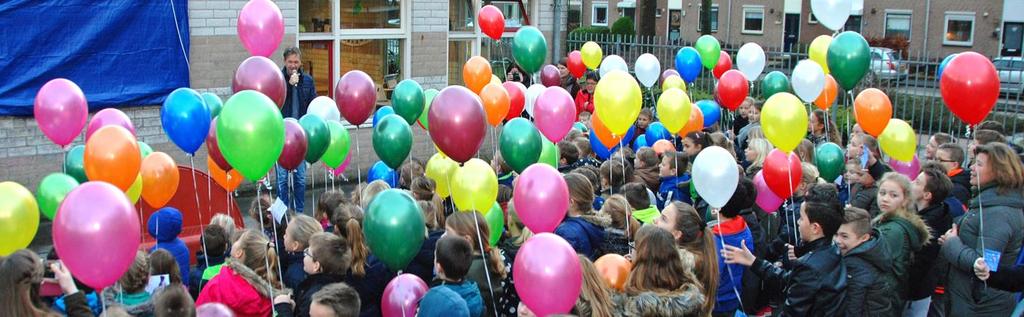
933 144
301 91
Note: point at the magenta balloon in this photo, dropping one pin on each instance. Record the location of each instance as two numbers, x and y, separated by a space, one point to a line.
541 197
910 169
213 149
61 110
457 122
341 168
554 113
214 310
402 296
356 96
109 116
766 199
550 77
96 233
294 152
547 275
260 27
669 73
260 74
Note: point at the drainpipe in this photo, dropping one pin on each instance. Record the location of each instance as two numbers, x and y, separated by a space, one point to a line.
555 30
728 33
927 16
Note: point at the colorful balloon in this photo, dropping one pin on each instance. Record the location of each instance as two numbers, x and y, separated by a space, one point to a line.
338 146
872 110
474 186
531 97
408 100
476 72
784 120
547 275
516 97
575 64
496 222
908 169
74 163
529 48
325 108
724 65
647 69
261 74
715 175
773 83
656 131
229 180
808 80
970 87
661 146
832 13
549 76
613 63
541 197
394 228
818 51
51 192
673 82
828 157
96 219
60 110
766 199
160 179
428 95
711 112
186 119
782 172
828 95
848 58
213 103
458 123
674 109
392 140
751 60
212 148
520 144
492 23
356 96
403 293
318 137
591 54
109 116
899 140
669 73
295 145
135 191
710 50
614 269
112 155
381 171
19 217
440 168
554 113
381 112
496 103
250 133
688 63
943 64
260 27
695 123
617 100
549 154
733 88
639 142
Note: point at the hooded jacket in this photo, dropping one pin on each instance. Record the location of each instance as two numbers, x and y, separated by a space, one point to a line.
871 282
816 286
670 191
648 176
196 279
165 226
961 185
902 237
241 289
685 301
584 233
370 286
866 198
730 276
136 304
470 293
303 294
442 302
1003 234
939 220
291 264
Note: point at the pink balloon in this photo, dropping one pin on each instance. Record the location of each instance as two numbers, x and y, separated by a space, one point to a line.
96 233
549 76
213 149
260 27
457 123
554 113
402 296
260 74
61 110
541 197
766 199
910 169
109 116
547 274
294 152
668 73
214 310
341 168
356 96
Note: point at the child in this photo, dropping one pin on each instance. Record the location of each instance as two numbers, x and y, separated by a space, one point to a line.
162 262
871 283
865 193
805 151
789 234
694 142
442 302
208 263
661 283
731 229
622 229
613 175
173 302
506 176
367 274
408 171
646 163
719 139
695 245
755 154
642 121
326 261
643 210
338 299
675 180
296 239
587 156
164 225
227 224
817 133
934 142
582 228
569 156
272 229
130 290
454 255
325 208
595 296
248 280
485 261
950 156
753 117
370 191
931 189
901 230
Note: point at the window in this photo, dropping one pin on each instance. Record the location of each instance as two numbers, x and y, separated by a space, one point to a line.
853 23
575 15
599 16
515 17
714 18
379 58
461 15
315 16
317 62
811 19
459 51
371 14
753 20
897 24
959 29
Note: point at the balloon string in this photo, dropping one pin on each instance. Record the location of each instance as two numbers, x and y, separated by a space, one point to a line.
290 194
849 132
312 187
199 211
728 267
209 195
483 255
622 158
792 215
266 259
359 166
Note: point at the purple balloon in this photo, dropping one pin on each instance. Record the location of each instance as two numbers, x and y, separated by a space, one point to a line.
214 310
554 112
109 116
402 296
457 123
96 233
541 197
547 274
550 77
669 73
294 152
909 169
61 110
766 199
260 27
356 96
260 74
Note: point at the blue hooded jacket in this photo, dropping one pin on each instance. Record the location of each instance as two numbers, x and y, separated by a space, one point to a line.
670 191
730 276
165 226
585 237
469 292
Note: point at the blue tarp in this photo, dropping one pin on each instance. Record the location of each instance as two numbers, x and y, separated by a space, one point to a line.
121 53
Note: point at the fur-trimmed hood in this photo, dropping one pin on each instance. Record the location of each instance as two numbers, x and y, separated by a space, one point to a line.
258 282
685 301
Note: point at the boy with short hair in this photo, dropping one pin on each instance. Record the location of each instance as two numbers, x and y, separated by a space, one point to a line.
326 261
951 156
569 156
871 283
614 174
215 240
452 259
636 195
674 179
337 300
173 301
731 229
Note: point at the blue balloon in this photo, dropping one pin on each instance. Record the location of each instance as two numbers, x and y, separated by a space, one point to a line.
599 149
712 112
641 141
656 131
382 172
942 66
688 64
186 119
579 126
381 113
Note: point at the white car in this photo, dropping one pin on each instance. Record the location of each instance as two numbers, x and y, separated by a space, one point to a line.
1011 71
886 65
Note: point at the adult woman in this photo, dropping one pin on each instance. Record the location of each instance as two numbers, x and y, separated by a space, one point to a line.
567 81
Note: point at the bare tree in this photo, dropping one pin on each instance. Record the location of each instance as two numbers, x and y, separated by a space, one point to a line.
645 17
705 12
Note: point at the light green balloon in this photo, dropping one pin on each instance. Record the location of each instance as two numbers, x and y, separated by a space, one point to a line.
709 49
337 149
496 223
250 133
428 97
51 192
549 154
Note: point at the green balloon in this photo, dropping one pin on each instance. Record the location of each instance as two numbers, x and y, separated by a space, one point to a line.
51 192
213 103
529 48
408 100
520 144
848 59
709 49
392 140
145 149
338 146
428 97
318 136
250 133
394 228
773 83
549 154
496 223
74 163
828 158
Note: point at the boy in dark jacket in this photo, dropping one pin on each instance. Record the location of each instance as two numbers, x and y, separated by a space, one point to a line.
950 156
569 156
931 188
326 261
730 229
208 263
871 283
164 226
674 179
453 258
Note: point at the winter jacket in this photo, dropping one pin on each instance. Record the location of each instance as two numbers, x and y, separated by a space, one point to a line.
669 190
469 292
615 241
506 179
866 198
291 265
788 233
306 90
1004 232
646 215
136 304
303 294
584 102
1010 279
730 276
77 305
871 281
584 233
938 219
423 264
902 238
197 278
508 303
241 289
685 301
816 286
648 176
477 275
570 85
370 286
165 226
961 185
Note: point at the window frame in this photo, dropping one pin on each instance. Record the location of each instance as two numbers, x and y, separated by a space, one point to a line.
902 13
714 23
593 13
811 19
753 9
959 16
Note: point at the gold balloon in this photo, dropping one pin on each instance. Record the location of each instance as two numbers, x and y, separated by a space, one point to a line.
591 54
819 51
135 191
19 217
673 82
441 169
898 140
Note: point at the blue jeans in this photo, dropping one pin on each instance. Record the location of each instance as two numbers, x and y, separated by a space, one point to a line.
294 197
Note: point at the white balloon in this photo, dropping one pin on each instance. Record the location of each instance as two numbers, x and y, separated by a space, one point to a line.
647 69
715 176
750 60
325 108
531 96
613 62
808 80
832 13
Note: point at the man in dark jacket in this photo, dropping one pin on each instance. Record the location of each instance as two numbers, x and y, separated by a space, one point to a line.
931 188
872 281
950 156
301 91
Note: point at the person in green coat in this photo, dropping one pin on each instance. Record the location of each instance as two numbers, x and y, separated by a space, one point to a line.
901 230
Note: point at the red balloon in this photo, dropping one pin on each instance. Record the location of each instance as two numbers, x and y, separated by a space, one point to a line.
576 66
724 65
260 74
549 76
402 295
214 150
294 151
356 96
492 21
970 86
458 123
517 97
782 172
732 89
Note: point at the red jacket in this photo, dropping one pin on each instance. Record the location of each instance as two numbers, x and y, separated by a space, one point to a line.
233 290
584 102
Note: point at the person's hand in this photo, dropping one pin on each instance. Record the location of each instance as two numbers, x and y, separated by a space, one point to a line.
981 269
284 298
951 233
294 79
791 252
63 278
734 255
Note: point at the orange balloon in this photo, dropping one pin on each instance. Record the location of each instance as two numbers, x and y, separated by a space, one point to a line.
614 269
873 110
496 102
112 155
696 122
476 73
663 145
828 95
229 180
603 134
159 179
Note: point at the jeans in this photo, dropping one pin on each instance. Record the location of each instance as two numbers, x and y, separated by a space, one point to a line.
293 196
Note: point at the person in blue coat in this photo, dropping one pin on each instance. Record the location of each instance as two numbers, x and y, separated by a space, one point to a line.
582 228
674 179
165 226
731 229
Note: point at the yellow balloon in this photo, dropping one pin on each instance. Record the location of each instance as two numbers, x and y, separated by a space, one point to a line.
819 50
441 169
674 109
898 140
19 217
474 186
784 120
673 82
617 100
495 80
591 54
135 191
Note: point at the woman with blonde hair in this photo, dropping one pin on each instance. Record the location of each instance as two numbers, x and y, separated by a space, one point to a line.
660 283
695 246
757 150
900 228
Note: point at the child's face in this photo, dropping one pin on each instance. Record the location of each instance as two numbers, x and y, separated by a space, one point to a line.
690 148
846 239
754 115
591 84
805 227
853 150
309 265
891 197
585 118
319 310
852 174
642 121
856 130
289 242
812 124
667 220
665 168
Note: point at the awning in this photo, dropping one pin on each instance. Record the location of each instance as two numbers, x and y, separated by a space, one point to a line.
675 4
626 4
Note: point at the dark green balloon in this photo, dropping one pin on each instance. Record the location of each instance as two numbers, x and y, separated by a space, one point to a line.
394 228
849 57
408 100
549 154
213 103
529 49
520 144
392 140
74 163
828 158
53 189
773 83
318 136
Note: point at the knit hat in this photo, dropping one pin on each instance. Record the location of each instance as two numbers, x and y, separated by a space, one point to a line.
443 302
164 224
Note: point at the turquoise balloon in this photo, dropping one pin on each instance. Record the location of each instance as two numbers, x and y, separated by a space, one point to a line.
213 103
394 228
145 149
529 48
849 58
408 100
318 136
74 163
250 133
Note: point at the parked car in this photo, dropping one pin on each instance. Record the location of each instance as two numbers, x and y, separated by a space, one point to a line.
1011 71
886 65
